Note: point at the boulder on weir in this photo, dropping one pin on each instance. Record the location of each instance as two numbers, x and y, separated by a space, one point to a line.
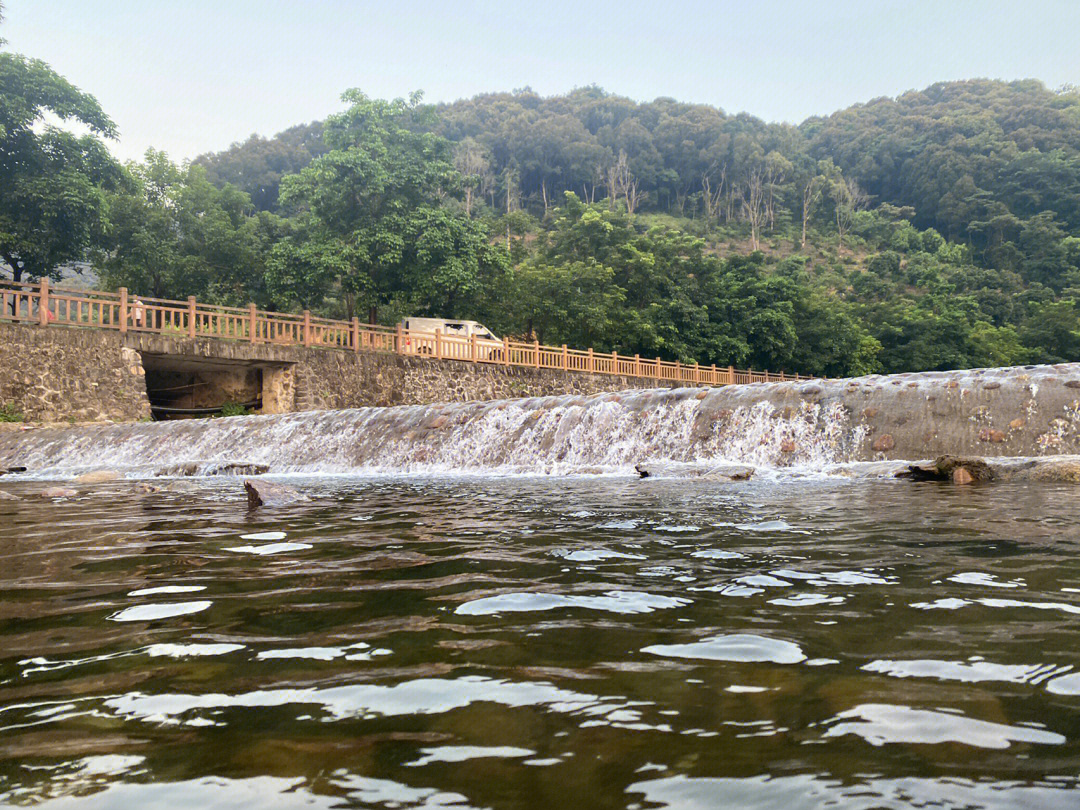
958 469
709 472
265 493
97 477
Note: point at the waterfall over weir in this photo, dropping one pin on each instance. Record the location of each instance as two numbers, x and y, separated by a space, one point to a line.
998 412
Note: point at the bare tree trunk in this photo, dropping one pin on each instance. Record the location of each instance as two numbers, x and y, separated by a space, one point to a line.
712 199
753 205
810 195
543 192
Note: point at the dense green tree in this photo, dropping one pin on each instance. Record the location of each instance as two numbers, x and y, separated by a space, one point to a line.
178 234
375 198
54 184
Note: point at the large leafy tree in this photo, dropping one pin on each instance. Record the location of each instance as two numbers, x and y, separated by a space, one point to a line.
372 204
54 184
176 234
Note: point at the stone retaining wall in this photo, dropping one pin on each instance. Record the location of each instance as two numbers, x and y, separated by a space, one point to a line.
58 374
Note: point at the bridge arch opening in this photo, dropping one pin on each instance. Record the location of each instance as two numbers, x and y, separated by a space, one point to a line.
186 387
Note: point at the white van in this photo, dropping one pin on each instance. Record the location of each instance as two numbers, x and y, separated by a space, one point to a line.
489 347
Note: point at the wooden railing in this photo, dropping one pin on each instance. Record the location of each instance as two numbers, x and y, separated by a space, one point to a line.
47 305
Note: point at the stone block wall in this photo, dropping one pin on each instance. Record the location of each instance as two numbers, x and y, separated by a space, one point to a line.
59 374
329 379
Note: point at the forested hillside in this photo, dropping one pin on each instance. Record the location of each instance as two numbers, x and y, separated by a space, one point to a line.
934 230
940 229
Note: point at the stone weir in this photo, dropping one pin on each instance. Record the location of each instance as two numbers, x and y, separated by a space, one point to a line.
1028 411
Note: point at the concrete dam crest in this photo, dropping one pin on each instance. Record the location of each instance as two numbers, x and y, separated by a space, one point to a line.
1023 411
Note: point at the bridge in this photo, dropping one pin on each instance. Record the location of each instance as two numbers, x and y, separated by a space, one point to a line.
195 356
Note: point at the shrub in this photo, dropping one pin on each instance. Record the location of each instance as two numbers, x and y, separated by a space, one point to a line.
234 409
9 414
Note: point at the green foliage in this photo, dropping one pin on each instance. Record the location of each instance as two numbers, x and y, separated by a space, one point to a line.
9 413
370 220
53 184
175 234
234 409
936 230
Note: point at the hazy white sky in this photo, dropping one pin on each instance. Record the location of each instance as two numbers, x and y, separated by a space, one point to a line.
190 76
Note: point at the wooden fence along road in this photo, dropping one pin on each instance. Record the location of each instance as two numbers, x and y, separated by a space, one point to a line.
47 305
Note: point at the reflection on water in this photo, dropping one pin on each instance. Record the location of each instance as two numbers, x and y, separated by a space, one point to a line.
533 643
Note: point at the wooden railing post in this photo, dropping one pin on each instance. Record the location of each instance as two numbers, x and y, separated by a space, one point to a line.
473 355
123 309
536 354
782 375
192 314
714 379
356 334
399 343
253 320
506 351
438 344
637 365
678 371
731 375
659 370
697 372
43 302
565 358
592 361
307 327
614 362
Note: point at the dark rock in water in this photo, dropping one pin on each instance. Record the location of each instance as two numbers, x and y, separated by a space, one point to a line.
184 468
957 469
144 487
6 470
709 472
190 468
238 468
58 492
264 493
7 496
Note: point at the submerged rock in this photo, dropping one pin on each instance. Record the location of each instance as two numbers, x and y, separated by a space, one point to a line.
710 472
264 493
58 492
97 477
144 487
6 470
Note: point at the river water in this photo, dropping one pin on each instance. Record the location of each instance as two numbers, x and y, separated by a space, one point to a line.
540 642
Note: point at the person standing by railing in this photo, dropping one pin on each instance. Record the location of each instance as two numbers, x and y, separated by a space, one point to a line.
138 313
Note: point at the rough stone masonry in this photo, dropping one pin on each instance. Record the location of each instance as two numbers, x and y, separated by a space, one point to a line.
62 374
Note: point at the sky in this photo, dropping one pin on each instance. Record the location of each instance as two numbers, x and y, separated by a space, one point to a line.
192 76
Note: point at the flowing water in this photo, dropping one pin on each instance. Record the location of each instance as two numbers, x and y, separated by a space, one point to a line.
465 641
1028 411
